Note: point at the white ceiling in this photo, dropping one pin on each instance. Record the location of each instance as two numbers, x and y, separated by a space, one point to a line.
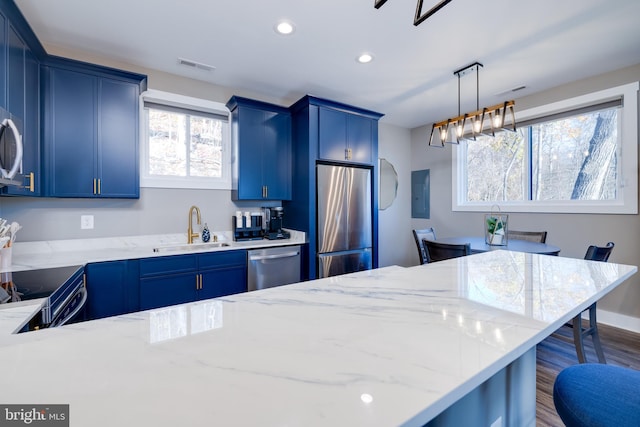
536 43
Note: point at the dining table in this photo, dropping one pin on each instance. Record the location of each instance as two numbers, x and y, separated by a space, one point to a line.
479 245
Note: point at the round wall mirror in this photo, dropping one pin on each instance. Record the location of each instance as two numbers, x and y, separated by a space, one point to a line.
388 184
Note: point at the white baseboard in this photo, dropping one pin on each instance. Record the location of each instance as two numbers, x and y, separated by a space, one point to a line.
618 320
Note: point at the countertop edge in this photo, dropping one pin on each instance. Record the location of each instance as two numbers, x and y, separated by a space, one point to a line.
63 253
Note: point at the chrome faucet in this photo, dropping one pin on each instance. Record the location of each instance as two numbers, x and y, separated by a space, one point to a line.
190 233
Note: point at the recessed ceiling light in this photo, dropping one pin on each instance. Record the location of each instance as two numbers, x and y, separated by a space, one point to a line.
284 27
364 58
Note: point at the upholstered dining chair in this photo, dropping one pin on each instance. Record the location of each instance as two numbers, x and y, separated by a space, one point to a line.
597 395
531 236
438 251
594 253
419 235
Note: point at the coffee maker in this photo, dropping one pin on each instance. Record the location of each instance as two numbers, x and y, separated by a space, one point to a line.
273 224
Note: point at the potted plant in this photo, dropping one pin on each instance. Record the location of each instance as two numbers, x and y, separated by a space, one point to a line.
496 229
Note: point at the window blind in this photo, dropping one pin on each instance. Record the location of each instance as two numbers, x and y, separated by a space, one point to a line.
175 108
614 103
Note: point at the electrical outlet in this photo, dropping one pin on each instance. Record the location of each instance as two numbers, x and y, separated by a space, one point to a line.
86 222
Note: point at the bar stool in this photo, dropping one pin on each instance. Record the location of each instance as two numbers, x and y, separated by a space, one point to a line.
592 395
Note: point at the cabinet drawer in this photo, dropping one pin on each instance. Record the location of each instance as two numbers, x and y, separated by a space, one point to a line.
222 259
150 267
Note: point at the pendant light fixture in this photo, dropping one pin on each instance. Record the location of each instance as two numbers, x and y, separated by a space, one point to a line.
455 128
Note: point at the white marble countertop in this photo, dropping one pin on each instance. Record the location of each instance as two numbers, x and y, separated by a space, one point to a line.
61 253
388 347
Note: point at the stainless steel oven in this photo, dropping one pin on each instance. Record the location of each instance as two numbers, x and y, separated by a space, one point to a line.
63 291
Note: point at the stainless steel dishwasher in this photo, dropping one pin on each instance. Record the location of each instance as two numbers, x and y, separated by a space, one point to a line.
273 267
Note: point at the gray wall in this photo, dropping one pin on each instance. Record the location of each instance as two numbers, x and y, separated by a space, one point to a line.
571 232
395 239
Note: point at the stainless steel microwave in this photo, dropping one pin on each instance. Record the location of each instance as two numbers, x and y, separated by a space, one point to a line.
10 149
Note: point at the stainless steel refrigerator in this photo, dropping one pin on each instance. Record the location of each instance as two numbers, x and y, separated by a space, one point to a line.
344 220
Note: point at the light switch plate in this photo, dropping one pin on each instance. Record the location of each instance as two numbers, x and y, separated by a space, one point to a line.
86 222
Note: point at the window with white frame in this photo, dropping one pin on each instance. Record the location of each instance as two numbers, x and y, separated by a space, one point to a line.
185 142
574 156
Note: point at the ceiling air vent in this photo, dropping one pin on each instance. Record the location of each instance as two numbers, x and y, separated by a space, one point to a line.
510 91
195 64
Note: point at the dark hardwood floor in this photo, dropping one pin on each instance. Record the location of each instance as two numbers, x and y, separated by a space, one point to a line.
621 348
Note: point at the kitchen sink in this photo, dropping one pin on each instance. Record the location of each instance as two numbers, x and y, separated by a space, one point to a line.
190 247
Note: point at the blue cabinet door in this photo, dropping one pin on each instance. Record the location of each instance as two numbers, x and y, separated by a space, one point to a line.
164 291
222 282
15 70
118 167
250 139
360 137
166 281
332 134
222 273
276 156
70 133
178 279
261 134
112 289
345 137
3 61
25 99
31 163
91 134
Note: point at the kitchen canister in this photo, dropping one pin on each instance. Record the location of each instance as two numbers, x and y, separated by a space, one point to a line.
495 227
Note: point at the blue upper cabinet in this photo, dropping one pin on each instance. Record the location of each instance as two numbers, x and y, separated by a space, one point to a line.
261 138
346 137
325 131
118 164
90 131
20 94
79 121
3 60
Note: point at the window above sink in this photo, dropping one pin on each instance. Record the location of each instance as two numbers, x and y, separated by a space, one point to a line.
185 142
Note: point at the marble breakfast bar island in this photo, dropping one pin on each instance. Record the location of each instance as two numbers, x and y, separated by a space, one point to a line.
442 344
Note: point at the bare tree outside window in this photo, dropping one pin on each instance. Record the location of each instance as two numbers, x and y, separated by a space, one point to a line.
573 158
182 145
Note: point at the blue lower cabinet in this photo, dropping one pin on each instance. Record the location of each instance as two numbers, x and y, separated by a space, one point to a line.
222 273
169 290
179 279
221 282
112 289
168 280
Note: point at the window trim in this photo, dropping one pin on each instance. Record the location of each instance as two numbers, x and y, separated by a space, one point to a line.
627 202
187 103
